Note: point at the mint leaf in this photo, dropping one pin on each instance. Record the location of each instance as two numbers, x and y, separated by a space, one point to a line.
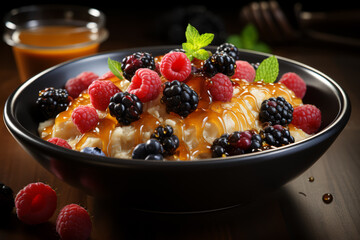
191 34
195 42
268 70
205 39
115 68
201 54
249 36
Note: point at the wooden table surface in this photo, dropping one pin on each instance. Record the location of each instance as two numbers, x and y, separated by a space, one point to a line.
295 211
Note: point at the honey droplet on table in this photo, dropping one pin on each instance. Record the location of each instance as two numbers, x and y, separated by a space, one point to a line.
327 198
311 179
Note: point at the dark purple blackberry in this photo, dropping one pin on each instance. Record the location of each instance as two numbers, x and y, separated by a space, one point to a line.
276 111
6 201
126 107
219 62
179 98
169 141
52 101
137 60
151 150
230 49
276 136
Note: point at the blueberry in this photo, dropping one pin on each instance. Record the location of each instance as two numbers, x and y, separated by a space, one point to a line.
93 150
153 146
139 151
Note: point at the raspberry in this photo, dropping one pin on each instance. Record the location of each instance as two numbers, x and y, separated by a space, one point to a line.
73 222
221 88
244 70
307 117
35 203
107 76
85 118
100 92
145 84
295 83
175 66
60 142
76 85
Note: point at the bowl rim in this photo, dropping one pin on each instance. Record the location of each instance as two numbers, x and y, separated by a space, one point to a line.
15 127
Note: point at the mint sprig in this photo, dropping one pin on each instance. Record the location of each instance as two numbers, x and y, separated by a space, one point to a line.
115 68
195 42
268 70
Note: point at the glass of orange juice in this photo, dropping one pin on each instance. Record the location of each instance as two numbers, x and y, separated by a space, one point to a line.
42 36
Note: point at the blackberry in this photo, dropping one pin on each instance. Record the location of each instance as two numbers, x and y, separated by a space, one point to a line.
151 150
137 60
276 111
6 200
276 136
179 98
219 62
169 141
93 150
126 107
52 101
236 143
230 49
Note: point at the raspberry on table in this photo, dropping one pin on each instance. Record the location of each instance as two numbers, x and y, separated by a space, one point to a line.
151 150
125 107
244 70
60 142
137 60
85 118
35 203
219 62
175 66
145 84
307 117
221 88
7 202
100 92
295 83
52 101
81 82
73 222
276 111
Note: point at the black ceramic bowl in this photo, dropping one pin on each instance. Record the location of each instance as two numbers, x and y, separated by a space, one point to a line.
176 186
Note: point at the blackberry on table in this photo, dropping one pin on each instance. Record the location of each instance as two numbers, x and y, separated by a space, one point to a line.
276 136
137 60
179 98
169 141
6 200
276 111
219 62
52 101
151 150
125 107
230 49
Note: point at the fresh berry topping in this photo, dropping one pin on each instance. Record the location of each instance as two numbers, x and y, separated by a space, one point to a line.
73 222
137 60
169 141
230 49
151 150
179 98
295 83
52 101
60 142
221 88
85 118
276 136
236 143
100 92
175 66
244 70
93 150
219 62
81 82
6 201
125 107
145 84
106 76
307 117
276 111
35 203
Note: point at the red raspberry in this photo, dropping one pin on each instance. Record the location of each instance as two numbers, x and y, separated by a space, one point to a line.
295 83
60 142
106 76
175 66
73 222
76 85
100 92
307 117
85 118
244 70
145 84
221 88
35 203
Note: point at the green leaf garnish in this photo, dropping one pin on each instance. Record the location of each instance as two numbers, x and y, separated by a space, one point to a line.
115 68
195 42
268 70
